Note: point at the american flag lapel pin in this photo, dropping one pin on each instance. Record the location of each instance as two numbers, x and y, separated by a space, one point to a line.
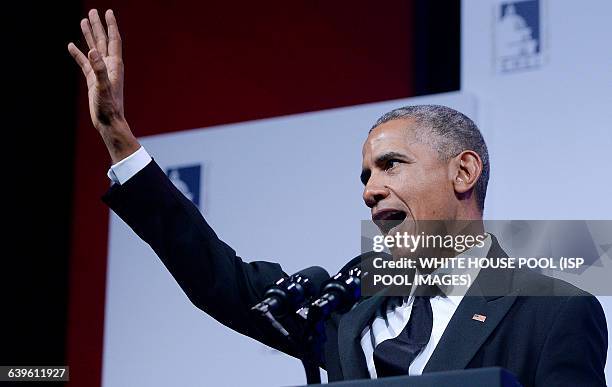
479 317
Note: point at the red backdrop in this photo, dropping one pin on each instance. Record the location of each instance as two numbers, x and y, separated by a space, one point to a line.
196 64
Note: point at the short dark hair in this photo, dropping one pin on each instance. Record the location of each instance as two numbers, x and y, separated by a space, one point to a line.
453 132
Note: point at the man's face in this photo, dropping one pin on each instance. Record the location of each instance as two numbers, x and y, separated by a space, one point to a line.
405 179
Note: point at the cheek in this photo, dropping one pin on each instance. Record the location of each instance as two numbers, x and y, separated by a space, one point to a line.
429 196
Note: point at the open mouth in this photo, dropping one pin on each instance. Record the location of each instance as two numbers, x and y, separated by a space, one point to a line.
387 219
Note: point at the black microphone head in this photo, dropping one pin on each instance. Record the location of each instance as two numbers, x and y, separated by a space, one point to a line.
364 260
291 293
315 276
343 290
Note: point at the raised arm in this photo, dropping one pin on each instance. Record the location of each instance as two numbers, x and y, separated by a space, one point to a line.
210 273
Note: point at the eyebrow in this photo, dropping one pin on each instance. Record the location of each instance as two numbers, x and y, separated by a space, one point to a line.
388 156
380 160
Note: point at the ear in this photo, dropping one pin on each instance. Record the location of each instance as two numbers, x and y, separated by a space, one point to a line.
467 167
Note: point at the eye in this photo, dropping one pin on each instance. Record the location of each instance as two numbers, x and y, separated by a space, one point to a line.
392 164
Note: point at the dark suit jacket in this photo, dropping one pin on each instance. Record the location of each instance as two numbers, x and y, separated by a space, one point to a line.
557 339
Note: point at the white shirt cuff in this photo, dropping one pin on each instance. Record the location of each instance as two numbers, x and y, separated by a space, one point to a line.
124 170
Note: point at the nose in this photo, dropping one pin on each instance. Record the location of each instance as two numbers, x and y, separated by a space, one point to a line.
374 193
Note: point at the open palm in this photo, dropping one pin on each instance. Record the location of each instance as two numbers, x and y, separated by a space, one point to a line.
102 67
103 70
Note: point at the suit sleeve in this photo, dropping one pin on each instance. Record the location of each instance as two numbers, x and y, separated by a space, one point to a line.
574 353
208 270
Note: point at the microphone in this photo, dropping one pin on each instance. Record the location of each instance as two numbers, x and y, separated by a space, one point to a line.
343 290
289 294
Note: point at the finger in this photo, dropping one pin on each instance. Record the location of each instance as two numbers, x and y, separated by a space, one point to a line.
80 58
86 29
98 32
114 39
99 68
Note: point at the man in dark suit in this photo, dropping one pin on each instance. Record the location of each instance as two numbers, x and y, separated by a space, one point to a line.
424 162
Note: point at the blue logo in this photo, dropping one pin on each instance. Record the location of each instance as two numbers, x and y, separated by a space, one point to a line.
187 180
518 36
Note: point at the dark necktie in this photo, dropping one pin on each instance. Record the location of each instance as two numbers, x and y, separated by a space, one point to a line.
393 357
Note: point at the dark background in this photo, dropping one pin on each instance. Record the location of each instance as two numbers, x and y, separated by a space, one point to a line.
188 65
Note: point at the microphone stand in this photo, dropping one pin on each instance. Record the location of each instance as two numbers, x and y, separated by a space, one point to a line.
313 374
312 341
314 337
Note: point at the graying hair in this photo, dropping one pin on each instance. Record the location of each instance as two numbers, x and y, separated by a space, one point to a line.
453 133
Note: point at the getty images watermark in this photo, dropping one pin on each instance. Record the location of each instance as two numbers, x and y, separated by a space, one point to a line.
449 256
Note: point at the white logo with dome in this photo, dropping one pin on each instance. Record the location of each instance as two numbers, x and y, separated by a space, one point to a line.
518 36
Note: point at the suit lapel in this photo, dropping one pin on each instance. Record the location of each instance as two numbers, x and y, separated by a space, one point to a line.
352 359
464 335
492 295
